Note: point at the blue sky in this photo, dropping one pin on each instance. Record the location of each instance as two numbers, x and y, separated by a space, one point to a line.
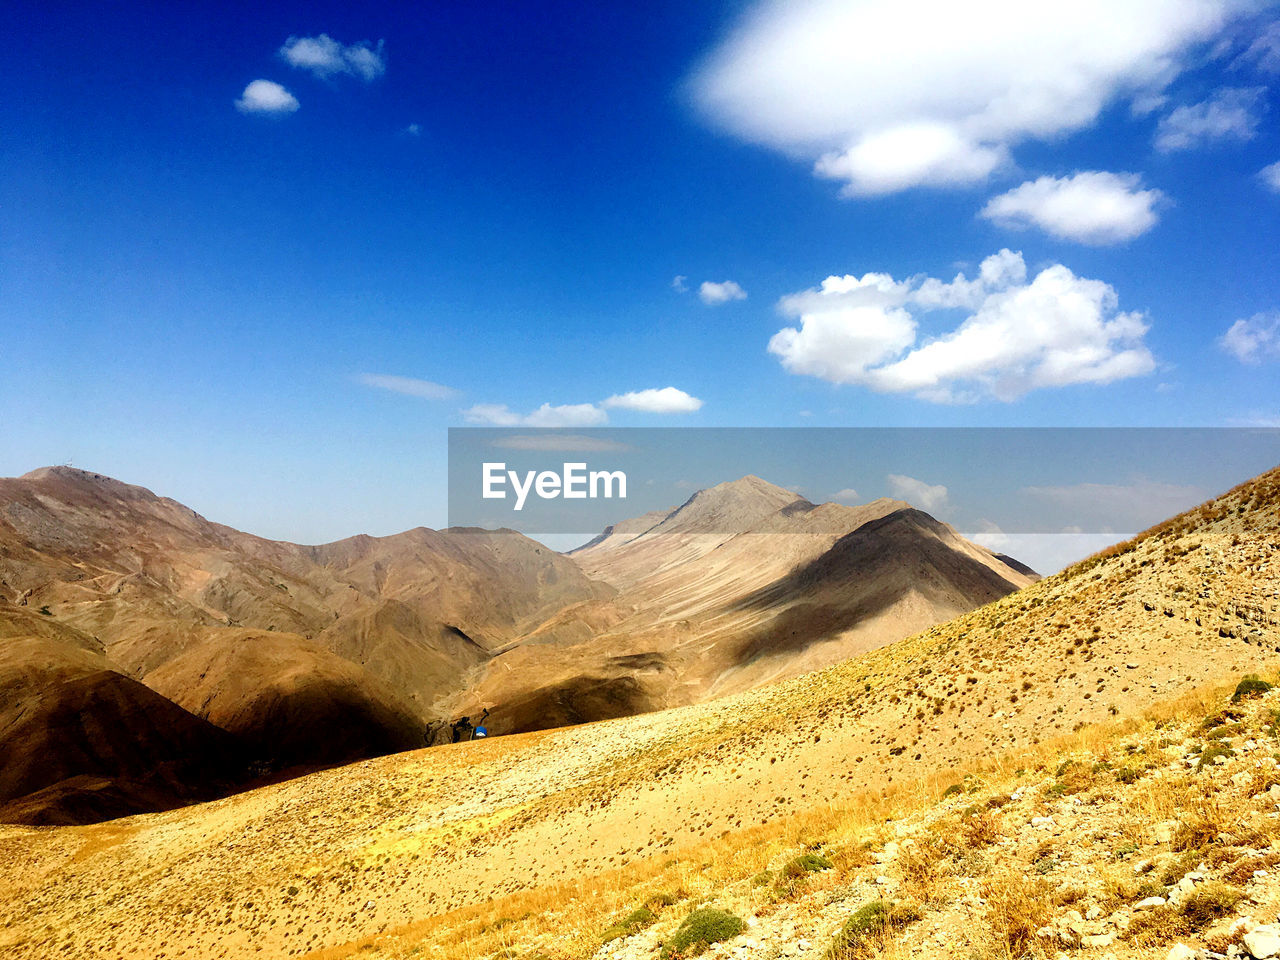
222 228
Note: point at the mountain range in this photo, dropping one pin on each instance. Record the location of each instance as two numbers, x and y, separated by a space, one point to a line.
153 657
526 845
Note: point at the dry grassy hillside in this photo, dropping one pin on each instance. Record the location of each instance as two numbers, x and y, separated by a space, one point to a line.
580 821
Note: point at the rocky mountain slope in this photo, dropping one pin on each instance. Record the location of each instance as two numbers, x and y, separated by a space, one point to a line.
313 655
305 655
744 584
82 741
546 843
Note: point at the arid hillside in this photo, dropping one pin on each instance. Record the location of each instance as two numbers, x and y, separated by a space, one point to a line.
82 741
744 584
305 656
315 655
537 844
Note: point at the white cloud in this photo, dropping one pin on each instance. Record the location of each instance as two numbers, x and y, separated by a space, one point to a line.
326 57
678 283
847 495
1253 340
409 386
1056 330
1232 113
1092 206
664 400
661 401
567 415
891 94
266 96
1264 51
1271 177
714 294
919 494
414 129
910 155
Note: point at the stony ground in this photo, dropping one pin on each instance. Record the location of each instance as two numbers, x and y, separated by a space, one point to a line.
1156 839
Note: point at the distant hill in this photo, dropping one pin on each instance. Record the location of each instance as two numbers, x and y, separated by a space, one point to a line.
745 583
305 656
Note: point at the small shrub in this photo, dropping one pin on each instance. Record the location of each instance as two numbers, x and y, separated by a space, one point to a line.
1210 754
870 918
46 611
1045 865
806 863
1208 902
699 930
867 929
1225 730
952 790
762 879
634 922
796 871
1128 775
1148 888
1251 686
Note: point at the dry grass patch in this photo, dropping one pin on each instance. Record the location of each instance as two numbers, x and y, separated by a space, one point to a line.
1208 902
920 864
1016 909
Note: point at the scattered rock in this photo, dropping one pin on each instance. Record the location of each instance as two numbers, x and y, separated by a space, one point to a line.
1263 942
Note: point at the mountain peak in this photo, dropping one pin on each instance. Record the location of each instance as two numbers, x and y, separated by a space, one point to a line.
69 477
733 506
750 487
